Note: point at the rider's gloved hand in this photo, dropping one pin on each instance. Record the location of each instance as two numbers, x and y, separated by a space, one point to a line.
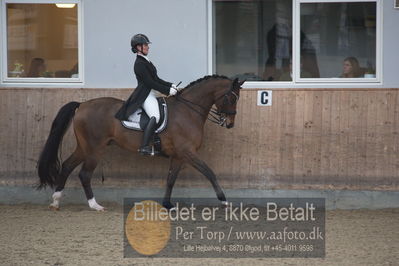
172 91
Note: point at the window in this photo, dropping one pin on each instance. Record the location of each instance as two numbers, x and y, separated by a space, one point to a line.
297 40
340 38
253 39
42 42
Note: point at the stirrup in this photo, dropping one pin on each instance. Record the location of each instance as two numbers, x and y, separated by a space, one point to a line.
148 150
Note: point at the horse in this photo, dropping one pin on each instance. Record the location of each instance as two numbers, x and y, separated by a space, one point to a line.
95 127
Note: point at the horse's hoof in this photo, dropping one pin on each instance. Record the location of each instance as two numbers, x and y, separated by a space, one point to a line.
98 208
54 208
95 206
169 206
225 203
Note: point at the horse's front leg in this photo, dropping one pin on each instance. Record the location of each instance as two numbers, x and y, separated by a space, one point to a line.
174 169
202 167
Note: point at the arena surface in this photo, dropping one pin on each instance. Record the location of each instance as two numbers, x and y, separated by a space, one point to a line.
75 235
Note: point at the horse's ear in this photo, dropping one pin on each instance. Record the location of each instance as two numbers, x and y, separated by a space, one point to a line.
241 82
234 84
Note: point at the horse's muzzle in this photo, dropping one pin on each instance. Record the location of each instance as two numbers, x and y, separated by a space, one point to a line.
229 121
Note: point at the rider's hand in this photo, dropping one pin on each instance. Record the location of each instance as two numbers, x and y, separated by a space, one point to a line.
175 87
172 91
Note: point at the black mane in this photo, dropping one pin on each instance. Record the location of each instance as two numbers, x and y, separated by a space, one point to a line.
205 78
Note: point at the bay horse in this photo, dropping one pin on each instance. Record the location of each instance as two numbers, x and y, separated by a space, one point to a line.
95 127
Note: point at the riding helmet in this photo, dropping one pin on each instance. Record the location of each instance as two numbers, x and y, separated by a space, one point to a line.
138 39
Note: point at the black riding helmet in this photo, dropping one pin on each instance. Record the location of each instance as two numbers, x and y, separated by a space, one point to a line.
138 39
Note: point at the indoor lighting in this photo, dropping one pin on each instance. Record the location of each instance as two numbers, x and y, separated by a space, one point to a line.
65 5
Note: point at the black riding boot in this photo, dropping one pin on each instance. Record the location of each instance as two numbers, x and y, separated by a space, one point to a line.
145 148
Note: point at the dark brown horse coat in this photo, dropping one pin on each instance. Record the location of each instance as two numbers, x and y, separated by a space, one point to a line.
147 79
95 127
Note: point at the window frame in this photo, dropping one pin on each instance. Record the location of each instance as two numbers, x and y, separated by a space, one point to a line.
297 81
5 80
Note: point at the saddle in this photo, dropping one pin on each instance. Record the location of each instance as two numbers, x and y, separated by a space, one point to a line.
139 119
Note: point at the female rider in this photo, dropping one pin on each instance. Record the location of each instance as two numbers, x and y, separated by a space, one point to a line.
144 95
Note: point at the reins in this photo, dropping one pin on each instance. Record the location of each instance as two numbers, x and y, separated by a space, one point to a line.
215 116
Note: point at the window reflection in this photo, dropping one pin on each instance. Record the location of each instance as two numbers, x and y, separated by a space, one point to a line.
253 39
42 41
343 37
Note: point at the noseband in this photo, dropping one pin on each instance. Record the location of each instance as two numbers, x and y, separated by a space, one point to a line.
220 117
217 117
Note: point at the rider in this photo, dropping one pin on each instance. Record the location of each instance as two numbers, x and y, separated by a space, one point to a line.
145 93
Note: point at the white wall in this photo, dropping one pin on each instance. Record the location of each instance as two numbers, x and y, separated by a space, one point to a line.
390 49
178 31
176 28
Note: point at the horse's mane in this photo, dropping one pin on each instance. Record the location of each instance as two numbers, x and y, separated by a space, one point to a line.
205 78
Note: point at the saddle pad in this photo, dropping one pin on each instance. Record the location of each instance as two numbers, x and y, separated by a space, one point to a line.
135 121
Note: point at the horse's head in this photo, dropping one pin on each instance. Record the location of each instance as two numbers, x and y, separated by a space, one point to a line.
226 104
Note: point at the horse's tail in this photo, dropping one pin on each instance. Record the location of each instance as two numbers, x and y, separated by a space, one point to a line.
49 165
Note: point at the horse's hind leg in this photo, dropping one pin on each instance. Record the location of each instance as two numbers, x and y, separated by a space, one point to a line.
68 166
202 167
85 175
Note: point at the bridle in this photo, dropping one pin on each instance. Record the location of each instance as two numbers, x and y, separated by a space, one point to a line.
217 117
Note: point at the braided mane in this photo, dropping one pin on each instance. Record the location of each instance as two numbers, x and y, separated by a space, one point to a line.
205 78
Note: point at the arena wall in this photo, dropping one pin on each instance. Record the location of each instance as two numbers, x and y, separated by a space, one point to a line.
308 139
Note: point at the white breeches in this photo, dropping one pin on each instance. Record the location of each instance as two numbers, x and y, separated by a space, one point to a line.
150 105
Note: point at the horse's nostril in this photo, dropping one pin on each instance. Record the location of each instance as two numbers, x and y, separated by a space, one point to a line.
230 125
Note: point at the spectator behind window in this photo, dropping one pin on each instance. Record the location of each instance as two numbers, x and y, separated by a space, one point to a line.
351 68
37 68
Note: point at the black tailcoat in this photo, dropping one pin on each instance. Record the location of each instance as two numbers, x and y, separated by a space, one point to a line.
147 79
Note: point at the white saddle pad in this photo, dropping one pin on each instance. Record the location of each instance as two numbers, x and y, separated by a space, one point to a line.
134 120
